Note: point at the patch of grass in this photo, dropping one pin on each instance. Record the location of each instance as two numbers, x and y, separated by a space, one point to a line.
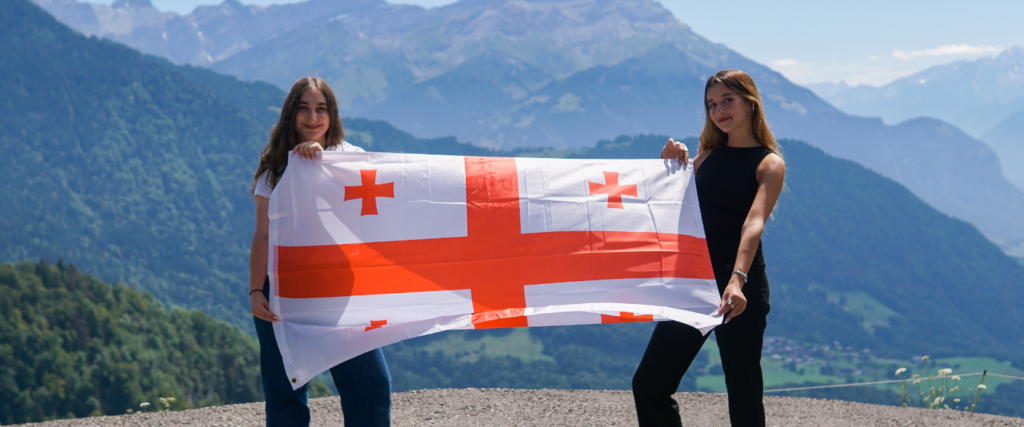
967 365
774 373
872 312
516 343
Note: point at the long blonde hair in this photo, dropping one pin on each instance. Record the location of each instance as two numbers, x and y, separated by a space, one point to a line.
743 85
274 158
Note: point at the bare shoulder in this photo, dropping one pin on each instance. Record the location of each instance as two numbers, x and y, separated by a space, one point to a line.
772 167
772 162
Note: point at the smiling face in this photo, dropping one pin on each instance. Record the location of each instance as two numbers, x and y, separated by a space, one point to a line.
727 110
312 120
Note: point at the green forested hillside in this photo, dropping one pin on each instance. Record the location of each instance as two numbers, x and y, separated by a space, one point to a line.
73 346
116 161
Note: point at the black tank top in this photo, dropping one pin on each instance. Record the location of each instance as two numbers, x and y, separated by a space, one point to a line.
726 187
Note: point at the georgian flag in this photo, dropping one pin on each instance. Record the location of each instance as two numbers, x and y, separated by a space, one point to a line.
368 249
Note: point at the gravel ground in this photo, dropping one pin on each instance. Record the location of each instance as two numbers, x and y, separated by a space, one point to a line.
502 407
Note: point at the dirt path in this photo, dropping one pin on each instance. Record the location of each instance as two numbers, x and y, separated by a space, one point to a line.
500 407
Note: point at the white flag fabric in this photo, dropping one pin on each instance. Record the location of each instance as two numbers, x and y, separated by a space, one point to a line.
368 249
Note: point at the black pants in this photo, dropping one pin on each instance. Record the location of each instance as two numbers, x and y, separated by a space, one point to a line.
673 347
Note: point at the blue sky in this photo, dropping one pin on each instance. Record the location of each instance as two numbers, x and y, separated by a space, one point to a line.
861 42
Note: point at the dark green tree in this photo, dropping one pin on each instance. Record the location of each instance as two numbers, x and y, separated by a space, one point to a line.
73 346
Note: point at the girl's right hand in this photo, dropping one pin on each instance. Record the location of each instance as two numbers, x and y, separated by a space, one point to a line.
261 307
308 149
675 150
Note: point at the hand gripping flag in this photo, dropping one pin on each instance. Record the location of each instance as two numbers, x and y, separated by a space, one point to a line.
368 249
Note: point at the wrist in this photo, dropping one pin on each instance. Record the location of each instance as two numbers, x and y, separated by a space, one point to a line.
252 291
739 276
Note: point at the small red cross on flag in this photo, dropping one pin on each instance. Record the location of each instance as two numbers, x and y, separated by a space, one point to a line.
472 242
369 191
613 189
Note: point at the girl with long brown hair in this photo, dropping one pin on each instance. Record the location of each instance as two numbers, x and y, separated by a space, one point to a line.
739 174
309 123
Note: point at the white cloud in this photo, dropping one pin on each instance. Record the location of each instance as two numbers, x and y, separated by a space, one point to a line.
874 58
948 50
785 63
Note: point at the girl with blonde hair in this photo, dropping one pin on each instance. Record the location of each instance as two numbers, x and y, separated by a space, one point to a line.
739 174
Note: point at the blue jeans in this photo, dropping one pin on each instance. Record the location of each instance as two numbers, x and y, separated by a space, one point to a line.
364 384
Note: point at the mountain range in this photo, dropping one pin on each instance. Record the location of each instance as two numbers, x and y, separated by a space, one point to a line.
376 48
984 97
137 170
149 185
974 95
510 74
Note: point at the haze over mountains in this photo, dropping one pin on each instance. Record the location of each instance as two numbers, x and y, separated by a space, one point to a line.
1007 139
975 95
562 74
984 97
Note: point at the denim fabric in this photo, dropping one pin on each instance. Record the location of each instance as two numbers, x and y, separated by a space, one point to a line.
364 384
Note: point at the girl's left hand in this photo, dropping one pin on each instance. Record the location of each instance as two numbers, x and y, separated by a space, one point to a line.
733 294
308 149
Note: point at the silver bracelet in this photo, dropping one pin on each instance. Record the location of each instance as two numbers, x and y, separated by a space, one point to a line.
742 275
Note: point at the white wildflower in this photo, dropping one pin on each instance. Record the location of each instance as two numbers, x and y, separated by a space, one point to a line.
144 404
982 386
955 378
901 370
938 400
945 371
924 358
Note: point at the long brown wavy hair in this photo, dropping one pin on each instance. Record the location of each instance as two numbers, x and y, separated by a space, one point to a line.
274 157
743 85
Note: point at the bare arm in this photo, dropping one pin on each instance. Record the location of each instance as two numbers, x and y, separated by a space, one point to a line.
258 261
771 174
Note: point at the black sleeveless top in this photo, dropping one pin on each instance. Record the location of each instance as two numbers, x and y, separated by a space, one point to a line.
726 187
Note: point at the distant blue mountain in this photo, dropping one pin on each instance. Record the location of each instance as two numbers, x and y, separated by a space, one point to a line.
1007 139
984 97
973 95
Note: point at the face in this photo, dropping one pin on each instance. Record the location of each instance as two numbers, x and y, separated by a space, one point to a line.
728 110
312 119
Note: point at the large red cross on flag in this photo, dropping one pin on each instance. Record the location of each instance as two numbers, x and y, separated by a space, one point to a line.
368 249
